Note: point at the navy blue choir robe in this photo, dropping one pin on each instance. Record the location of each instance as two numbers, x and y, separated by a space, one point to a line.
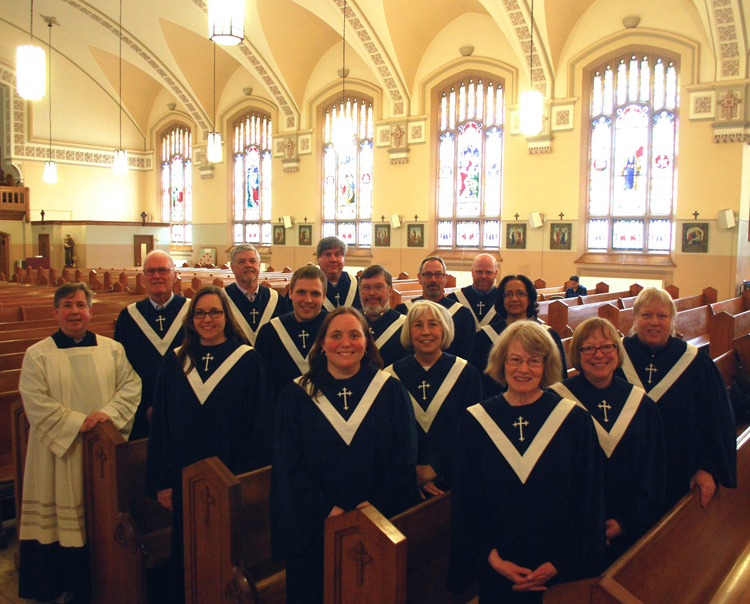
386 330
284 344
482 306
344 293
224 411
463 323
147 335
326 455
439 396
534 500
630 434
486 338
251 316
698 421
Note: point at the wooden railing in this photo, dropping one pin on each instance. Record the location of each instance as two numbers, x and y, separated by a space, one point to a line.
14 203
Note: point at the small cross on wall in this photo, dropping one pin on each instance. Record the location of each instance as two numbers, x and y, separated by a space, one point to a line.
696 214
416 218
516 215
561 215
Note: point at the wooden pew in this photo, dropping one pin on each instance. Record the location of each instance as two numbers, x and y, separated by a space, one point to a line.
724 329
693 325
733 306
708 296
692 555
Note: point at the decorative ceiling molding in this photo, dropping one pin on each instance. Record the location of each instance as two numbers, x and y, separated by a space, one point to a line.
519 17
729 37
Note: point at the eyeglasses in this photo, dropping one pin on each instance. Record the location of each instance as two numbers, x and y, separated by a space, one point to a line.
163 272
589 351
533 362
519 295
380 287
437 275
214 313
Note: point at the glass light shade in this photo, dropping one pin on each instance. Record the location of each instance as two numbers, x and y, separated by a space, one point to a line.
30 72
532 111
341 132
213 149
50 172
120 165
226 21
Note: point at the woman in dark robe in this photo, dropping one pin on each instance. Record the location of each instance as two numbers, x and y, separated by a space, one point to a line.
213 398
345 438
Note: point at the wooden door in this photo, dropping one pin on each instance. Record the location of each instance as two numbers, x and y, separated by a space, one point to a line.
5 255
143 245
44 245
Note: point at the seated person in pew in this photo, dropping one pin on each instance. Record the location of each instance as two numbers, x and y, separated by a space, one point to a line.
151 328
213 398
432 278
480 296
285 342
342 289
441 387
344 438
630 435
253 304
575 289
69 382
526 500
516 301
375 284
698 421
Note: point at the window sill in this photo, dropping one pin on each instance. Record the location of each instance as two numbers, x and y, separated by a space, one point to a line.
174 247
633 259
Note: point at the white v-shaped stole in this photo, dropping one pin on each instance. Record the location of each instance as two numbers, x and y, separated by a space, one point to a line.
251 333
390 330
328 305
291 347
204 389
486 319
348 428
608 441
666 383
523 464
161 344
425 418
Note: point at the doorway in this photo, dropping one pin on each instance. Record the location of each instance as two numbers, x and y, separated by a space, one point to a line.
143 245
44 245
5 255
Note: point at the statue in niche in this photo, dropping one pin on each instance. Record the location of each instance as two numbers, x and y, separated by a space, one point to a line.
69 244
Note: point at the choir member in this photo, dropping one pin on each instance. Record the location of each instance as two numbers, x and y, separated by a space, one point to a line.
151 328
516 301
630 435
286 341
253 305
344 438
213 398
699 429
432 278
342 289
527 501
441 387
375 285
481 295
69 382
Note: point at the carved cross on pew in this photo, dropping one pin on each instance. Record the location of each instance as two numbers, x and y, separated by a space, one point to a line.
303 334
208 500
359 553
520 423
160 320
696 214
345 393
604 407
254 312
651 370
102 457
423 387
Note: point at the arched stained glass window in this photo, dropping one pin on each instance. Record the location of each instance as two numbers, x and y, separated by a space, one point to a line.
252 179
177 183
470 164
633 149
347 176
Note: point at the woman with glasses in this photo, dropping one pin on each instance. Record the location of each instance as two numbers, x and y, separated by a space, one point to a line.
527 501
516 301
630 434
213 398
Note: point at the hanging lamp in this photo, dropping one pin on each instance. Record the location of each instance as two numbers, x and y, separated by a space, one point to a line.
213 149
50 167
120 165
341 128
532 101
30 68
226 21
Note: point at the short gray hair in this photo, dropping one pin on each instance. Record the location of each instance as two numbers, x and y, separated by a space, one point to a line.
440 313
240 249
160 253
69 289
428 259
375 271
328 243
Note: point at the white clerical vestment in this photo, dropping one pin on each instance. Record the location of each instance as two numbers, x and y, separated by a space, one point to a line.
60 387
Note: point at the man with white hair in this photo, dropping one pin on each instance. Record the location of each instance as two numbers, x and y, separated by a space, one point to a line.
480 296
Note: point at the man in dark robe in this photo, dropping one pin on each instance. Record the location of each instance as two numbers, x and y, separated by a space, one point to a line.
375 286
252 304
341 289
151 328
432 277
480 296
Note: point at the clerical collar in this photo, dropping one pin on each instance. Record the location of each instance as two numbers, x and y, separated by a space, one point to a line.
250 296
481 294
160 306
63 341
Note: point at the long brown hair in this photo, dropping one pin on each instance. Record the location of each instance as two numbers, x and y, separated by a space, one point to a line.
192 339
319 362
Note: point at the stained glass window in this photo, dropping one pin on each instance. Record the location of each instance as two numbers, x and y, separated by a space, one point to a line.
177 183
631 195
252 179
347 175
470 164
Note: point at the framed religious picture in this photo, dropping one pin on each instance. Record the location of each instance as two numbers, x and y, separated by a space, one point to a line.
560 235
305 234
383 235
279 234
415 235
515 236
694 237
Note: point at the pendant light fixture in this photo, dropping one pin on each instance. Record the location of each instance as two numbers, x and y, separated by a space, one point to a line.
30 68
213 150
341 131
226 21
120 165
532 101
50 167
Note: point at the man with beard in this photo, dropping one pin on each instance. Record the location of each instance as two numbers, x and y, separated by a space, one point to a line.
341 289
480 296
